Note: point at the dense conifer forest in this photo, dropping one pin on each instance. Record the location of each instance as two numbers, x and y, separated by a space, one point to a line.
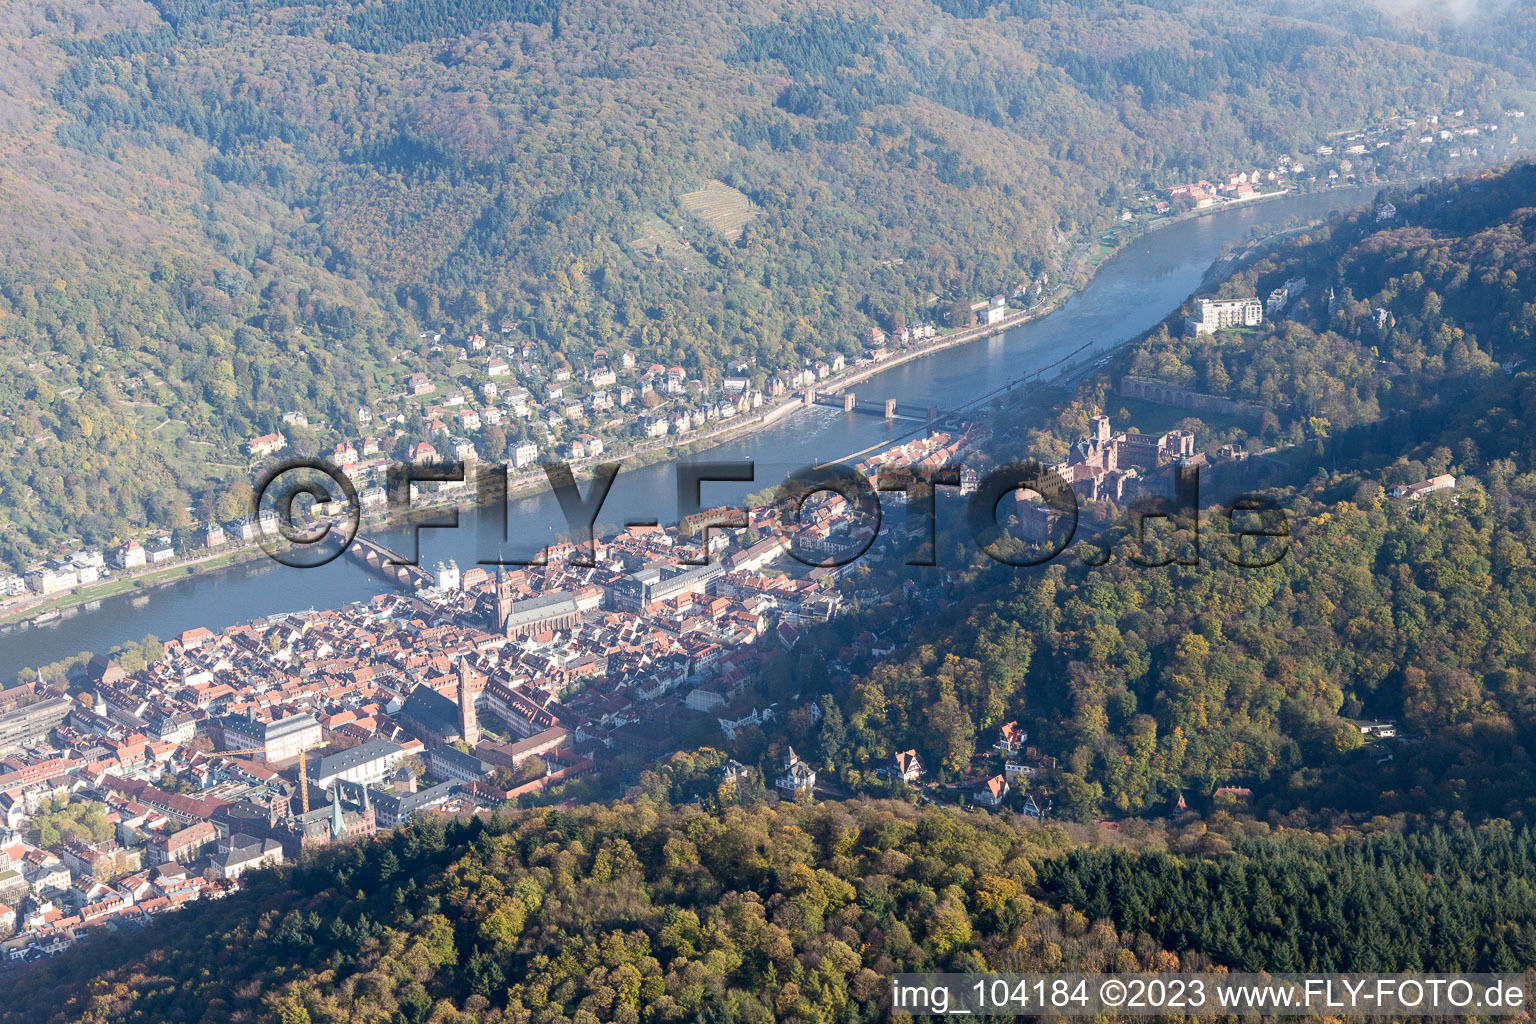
647 912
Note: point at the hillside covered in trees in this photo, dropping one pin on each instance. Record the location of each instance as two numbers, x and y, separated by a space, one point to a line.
222 212
1406 357
647 912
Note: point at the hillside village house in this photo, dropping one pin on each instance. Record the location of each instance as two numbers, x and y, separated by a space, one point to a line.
516 398
908 766
524 454
799 779
1422 489
1011 739
1282 296
129 556
992 792
1014 770
266 444
1200 194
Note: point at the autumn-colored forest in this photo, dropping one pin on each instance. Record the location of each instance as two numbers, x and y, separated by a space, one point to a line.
220 212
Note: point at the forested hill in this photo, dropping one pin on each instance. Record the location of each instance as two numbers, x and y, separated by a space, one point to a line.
650 913
1406 356
219 212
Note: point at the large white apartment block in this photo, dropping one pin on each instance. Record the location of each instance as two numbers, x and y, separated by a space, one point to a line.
1217 314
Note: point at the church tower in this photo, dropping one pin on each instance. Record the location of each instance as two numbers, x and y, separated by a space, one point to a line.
469 725
338 823
503 599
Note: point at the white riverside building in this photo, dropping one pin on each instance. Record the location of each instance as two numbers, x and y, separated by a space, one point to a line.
1218 314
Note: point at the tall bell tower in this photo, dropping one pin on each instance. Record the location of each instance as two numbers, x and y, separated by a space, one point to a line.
469 724
503 599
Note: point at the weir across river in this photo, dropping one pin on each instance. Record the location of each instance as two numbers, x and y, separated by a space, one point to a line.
891 409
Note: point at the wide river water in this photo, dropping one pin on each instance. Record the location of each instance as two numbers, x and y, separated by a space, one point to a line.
1130 293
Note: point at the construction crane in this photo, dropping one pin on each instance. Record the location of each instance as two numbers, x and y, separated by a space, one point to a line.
303 770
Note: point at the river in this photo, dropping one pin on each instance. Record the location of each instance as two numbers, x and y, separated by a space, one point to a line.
1130 293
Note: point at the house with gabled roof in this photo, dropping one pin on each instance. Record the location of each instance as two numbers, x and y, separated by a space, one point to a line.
1010 738
266 444
992 792
909 766
799 778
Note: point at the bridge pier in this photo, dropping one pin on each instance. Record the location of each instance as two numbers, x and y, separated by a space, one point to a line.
385 564
933 413
849 401
890 408
810 397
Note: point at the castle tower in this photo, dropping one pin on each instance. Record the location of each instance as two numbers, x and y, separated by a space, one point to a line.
469 725
1101 429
